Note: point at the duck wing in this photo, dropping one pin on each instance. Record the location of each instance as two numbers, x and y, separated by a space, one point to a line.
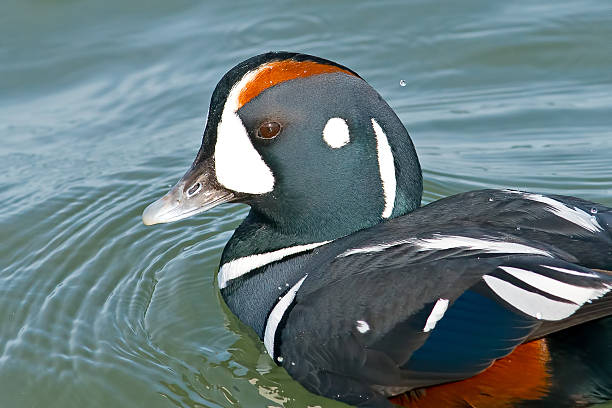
429 298
581 229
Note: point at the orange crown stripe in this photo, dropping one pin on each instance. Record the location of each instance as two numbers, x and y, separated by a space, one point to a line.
281 71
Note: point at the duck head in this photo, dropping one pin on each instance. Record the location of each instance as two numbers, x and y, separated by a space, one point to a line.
306 143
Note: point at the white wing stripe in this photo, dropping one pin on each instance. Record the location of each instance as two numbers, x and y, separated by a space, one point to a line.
441 242
569 271
574 215
530 303
576 294
486 245
436 314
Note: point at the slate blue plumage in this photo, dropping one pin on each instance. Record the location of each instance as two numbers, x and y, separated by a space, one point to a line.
357 292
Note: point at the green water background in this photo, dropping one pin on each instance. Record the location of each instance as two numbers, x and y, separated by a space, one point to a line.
102 106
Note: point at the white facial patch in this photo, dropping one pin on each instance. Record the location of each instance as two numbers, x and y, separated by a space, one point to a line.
387 168
574 215
436 314
238 166
336 133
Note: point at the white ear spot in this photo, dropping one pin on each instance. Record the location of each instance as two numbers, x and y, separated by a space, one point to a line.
336 133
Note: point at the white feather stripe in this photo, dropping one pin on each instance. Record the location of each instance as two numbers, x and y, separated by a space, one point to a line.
238 166
576 294
238 267
387 168
574 215
436 314
530 303
277 315
570 271
442 242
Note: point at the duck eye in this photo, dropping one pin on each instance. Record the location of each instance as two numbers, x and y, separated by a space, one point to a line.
268 130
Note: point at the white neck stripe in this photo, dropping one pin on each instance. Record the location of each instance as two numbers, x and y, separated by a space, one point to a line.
277 315
387 168
238 267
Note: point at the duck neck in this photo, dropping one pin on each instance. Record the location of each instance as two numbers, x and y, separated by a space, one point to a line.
258 235
265 257
259 265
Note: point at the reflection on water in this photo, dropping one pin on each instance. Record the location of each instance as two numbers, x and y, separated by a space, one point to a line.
102 108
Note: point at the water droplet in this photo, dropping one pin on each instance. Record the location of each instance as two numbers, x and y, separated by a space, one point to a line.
279 288
293 363
402 82
518 228
279 359
593 210
286 284
490 198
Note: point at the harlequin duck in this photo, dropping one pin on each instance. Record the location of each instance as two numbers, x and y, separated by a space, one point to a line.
486 298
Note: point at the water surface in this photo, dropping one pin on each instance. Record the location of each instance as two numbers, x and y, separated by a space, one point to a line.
102 106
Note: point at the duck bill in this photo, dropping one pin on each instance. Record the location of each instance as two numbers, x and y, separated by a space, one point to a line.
196 192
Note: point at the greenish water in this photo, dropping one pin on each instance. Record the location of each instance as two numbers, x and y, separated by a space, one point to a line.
102 107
